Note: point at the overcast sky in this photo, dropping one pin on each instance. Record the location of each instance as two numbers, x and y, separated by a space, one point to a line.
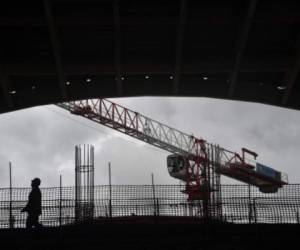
40 141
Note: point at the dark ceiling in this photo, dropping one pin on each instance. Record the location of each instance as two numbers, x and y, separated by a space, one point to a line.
65 50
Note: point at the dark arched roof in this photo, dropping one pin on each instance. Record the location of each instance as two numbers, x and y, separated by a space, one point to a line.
73 49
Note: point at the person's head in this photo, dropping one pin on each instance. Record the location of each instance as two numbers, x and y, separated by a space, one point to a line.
35 182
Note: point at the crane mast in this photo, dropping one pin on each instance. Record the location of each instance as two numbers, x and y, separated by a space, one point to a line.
203 162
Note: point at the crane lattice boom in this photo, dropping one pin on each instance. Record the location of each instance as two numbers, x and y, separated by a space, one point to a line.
138 126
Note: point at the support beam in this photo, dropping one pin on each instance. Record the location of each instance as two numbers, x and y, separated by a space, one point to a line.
141 68
291 76
55 49
241 45
179 46
117 47
5 84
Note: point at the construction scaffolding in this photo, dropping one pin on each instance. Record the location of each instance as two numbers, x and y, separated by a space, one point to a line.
238 204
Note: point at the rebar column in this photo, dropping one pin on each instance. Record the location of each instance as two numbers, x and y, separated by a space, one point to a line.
84 182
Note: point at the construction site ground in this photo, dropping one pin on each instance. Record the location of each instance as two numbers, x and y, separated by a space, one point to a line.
153 233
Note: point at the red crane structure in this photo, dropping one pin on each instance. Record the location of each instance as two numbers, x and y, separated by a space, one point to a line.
193 160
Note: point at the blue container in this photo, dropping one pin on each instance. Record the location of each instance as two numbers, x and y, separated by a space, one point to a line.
267 171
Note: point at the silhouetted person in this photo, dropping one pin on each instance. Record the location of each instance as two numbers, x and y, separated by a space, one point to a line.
34 205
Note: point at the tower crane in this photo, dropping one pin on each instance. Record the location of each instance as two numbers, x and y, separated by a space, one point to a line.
192 160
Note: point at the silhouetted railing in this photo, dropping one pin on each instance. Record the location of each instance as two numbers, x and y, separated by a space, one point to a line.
237 205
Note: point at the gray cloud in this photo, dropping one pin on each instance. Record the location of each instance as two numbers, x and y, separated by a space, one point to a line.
40 141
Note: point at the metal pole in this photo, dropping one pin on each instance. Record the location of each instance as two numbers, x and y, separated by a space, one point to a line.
76 184
254 211
10 198
153 190
110 194
93 184
60 200
250 208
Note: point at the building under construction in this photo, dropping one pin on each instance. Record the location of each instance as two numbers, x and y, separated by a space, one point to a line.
265 197
196 163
